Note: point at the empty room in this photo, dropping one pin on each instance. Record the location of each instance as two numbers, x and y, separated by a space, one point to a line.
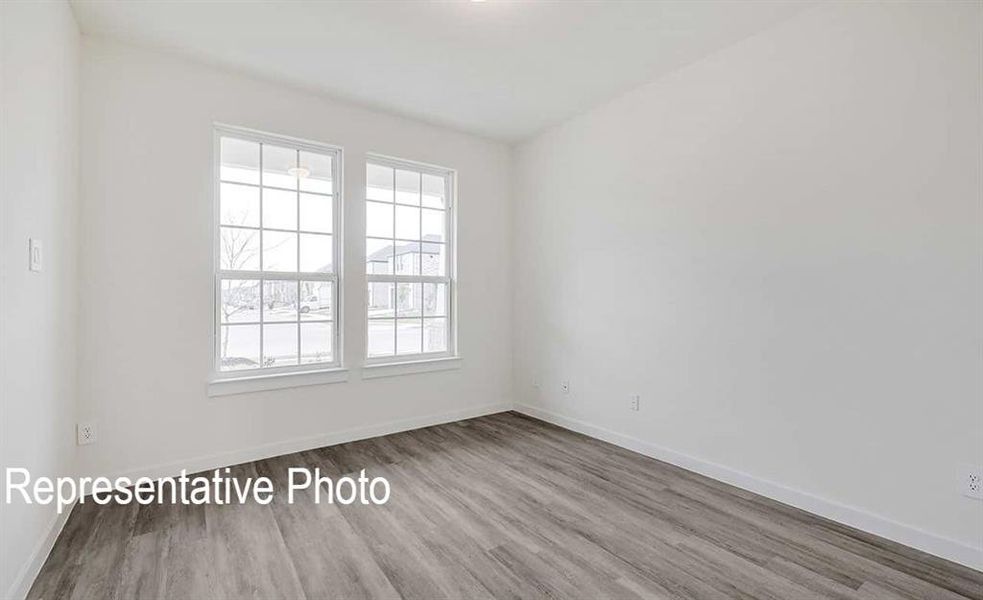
491 299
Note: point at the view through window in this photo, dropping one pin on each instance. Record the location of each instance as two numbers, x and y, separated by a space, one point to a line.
276 244
408 254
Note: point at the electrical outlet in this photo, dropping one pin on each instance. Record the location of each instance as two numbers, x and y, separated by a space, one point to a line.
565 386
86 433
636 402
971 481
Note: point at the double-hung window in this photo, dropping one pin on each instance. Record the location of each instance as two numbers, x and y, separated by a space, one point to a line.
409 260
277 249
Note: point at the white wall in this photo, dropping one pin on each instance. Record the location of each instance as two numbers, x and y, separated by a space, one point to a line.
145 348
779 248
39 50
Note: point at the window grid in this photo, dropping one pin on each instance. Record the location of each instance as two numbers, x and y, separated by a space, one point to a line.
397 277
263 277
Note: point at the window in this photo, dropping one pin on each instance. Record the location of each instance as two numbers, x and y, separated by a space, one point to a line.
276 254
409 260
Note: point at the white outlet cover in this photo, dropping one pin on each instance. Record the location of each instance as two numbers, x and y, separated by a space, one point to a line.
971 481
86 433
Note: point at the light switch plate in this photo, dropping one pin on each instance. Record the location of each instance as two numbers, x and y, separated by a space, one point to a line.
34 248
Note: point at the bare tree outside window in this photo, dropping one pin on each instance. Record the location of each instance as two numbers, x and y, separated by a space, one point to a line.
276 237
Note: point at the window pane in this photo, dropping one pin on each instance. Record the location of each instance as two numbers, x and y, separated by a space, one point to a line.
407 223
239 347
408 187
378 220
315 213
433 225
240 301
239 205
381 340
318 172
280 345
279 209
381 300
316 300
279 251
279 167
315 342
240 161
268 194
407 258
434 260
409 240
409 336
408 299
279 301
378 183
316 253
435 335
435 299
433 191
239 249
378 256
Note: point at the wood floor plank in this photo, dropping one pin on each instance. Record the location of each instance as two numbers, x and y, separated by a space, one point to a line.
102 556
144 566
872 591
502 506
249 554
189 571
330 559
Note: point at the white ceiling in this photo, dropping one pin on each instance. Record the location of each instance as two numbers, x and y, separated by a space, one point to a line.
504 70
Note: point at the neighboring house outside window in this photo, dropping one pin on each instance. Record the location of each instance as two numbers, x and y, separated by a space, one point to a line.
409 260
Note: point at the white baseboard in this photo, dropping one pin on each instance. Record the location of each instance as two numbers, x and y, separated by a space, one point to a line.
854 517
25 578
225 459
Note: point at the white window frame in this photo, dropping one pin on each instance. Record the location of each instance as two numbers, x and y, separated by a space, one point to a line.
335 366
450 268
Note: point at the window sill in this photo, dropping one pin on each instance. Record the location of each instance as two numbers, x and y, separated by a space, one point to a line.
409 367
260 383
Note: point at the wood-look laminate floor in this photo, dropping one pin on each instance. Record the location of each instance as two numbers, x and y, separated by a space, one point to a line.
502 506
